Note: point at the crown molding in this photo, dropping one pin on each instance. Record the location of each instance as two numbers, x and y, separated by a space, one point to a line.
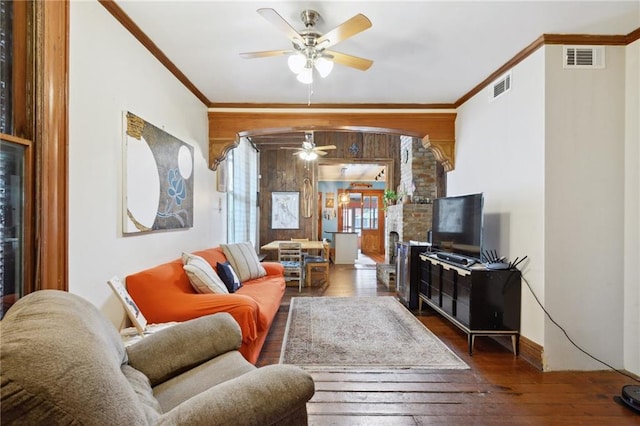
132 27
633 35
607 40
135 31
574 39
338 109
331 106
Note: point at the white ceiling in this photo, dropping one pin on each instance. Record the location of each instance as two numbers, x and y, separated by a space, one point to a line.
350 172
423 51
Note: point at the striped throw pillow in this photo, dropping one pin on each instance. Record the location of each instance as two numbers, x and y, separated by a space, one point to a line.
244 260
202 276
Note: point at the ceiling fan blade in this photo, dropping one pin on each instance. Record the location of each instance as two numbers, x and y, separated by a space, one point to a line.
347 29
349 60
272 16
321 152
265 53
326 147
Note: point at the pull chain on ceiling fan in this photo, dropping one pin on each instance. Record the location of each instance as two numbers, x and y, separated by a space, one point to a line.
310 46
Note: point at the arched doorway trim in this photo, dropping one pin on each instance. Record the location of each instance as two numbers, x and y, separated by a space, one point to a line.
436 129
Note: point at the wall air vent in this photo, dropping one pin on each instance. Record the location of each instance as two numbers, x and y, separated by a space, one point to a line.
500 86
583 57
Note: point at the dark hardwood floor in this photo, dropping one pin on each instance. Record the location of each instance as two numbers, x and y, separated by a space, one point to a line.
499 388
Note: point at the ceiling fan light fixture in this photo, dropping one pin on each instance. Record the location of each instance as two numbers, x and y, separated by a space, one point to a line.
297 62
306 76
324 66
308 155
310 46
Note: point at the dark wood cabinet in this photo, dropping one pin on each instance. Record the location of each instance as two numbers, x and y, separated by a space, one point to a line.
408 272
479 301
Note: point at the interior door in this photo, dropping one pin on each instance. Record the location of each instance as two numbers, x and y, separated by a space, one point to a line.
372 228
361 212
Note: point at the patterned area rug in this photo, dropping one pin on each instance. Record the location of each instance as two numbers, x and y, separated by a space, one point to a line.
361 333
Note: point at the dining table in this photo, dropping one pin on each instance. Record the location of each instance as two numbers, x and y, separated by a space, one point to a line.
305 245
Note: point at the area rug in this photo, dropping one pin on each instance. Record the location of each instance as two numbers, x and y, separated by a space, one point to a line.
361 333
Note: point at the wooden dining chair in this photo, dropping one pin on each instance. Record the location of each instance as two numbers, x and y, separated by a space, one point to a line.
290 255
317 265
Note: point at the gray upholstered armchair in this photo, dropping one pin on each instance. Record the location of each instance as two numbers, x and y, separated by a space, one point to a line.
63 362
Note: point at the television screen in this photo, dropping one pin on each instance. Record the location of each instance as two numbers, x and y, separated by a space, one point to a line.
457 225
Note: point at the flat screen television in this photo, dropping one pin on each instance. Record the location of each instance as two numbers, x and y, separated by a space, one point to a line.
457 225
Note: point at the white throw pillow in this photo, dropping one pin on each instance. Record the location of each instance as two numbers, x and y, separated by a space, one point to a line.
244 260
202 276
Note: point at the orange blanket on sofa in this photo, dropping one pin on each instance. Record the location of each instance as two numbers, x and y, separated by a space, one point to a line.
164 294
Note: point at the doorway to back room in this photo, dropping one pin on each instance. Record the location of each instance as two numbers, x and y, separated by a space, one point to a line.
350 201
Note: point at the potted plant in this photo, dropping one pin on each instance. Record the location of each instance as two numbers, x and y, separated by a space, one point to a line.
389 198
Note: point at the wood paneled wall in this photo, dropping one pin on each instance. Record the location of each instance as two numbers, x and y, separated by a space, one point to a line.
282 171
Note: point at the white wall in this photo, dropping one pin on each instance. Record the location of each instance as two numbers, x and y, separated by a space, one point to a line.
500 152
632 210
584 215
552 167
111 72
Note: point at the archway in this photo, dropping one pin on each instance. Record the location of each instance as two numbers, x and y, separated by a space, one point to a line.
436 128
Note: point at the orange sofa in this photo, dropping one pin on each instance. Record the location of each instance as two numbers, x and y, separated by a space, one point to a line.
164 294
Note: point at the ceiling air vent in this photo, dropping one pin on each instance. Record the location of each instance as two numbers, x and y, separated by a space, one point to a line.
501 86
583 57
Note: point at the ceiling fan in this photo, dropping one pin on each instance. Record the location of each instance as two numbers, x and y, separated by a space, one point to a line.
310 47
309 151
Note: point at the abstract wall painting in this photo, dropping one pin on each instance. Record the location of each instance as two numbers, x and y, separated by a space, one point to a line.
158 181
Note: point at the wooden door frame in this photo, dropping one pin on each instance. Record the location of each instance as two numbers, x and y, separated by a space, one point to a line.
41 106
381 217
51 144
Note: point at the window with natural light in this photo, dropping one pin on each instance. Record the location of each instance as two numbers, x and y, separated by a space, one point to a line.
242 196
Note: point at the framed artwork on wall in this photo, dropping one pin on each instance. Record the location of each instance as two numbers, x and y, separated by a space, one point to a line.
285 210
158 179
329 200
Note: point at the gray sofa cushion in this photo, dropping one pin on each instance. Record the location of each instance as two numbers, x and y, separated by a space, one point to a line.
141 386
271 395
225 367
62 362
46 379
176 349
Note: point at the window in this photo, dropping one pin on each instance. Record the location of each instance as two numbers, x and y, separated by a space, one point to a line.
6 65
242 196
13 156
370 212
33 129
359 212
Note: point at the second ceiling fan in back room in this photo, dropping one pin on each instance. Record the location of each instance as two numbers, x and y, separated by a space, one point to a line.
310 47
309 151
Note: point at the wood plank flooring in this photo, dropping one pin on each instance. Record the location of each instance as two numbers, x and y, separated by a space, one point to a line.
498 389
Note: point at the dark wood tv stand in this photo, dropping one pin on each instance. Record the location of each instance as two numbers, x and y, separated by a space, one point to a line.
479 301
